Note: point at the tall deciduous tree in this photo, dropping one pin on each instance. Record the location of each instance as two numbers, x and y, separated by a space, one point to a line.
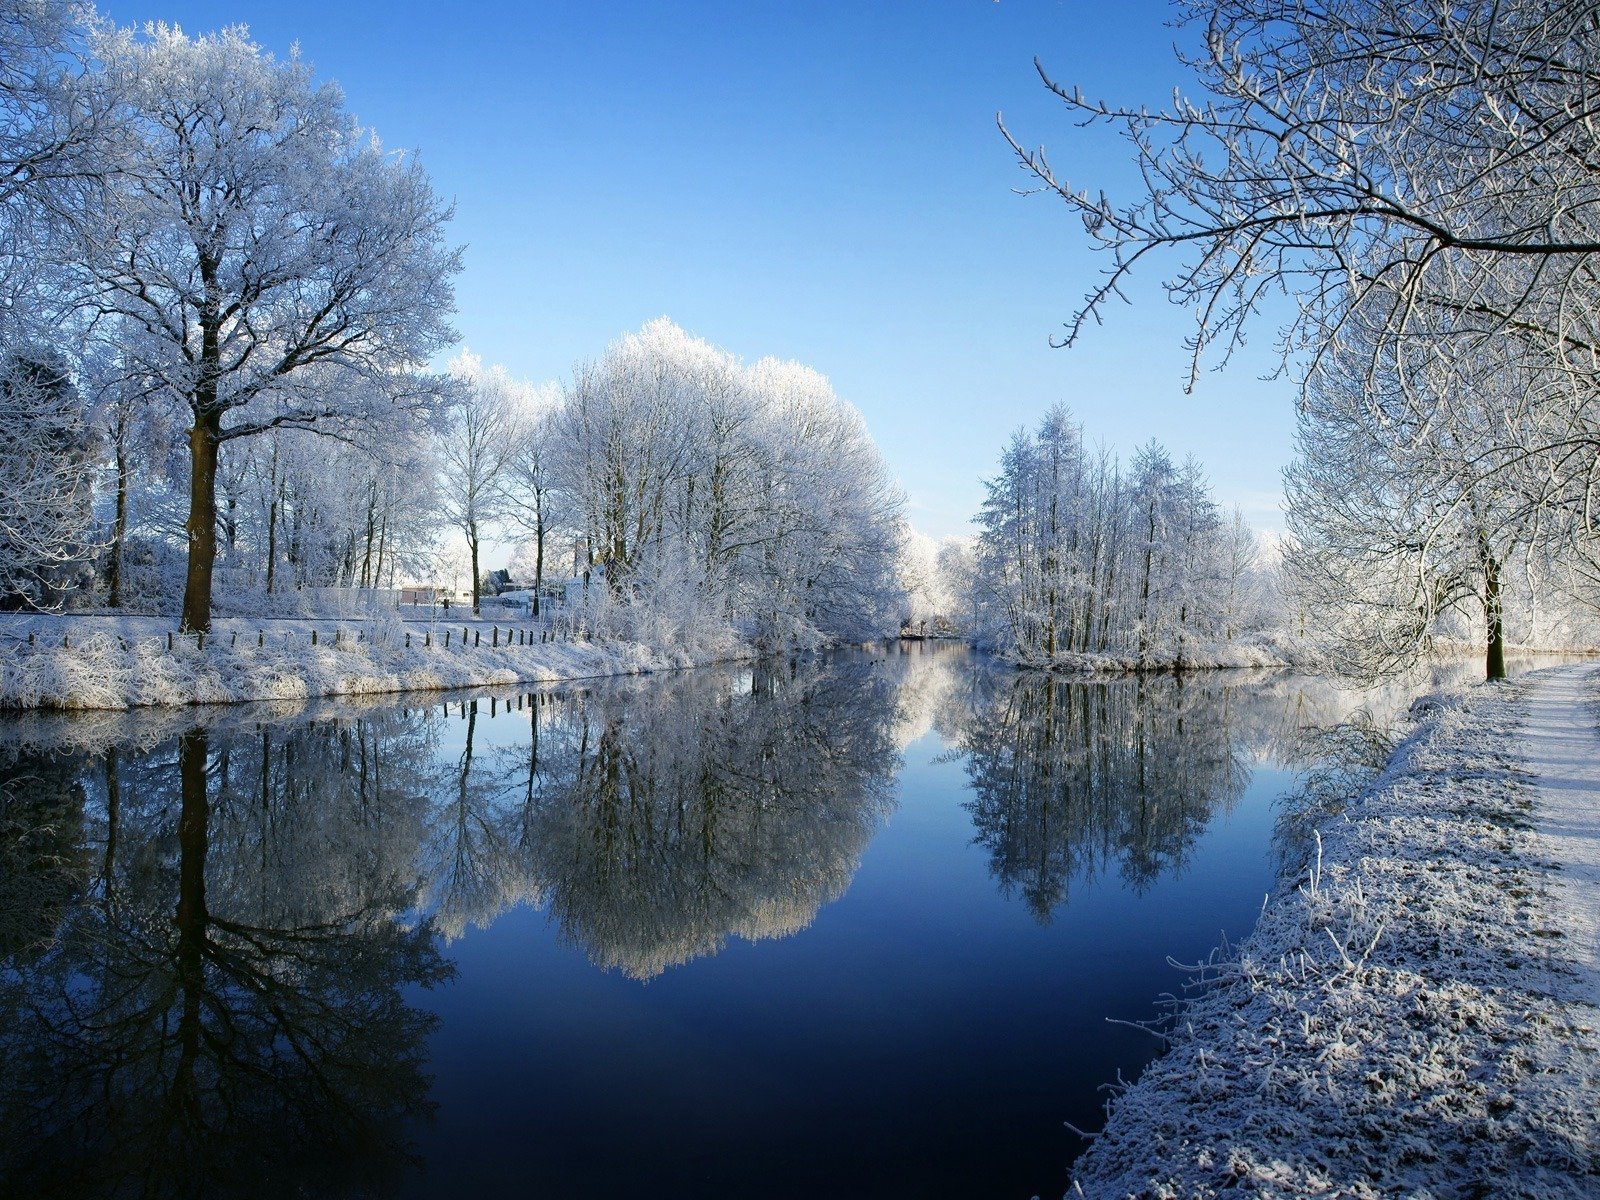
283 269
55 139
531 487
480 437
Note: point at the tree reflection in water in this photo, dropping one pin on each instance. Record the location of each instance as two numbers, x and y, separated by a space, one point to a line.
211 1000
655 822
207 949
1073 776
204 948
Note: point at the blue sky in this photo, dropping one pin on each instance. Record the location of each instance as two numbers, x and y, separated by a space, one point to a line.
818 180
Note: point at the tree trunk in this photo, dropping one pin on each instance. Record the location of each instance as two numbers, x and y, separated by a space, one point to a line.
119 525
272 539
472 544
538 552
204 443
1494 619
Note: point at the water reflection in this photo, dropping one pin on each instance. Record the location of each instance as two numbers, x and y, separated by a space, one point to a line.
1071 778
654 823
220 1006
214 927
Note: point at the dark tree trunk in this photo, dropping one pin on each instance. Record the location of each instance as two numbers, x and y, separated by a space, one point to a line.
204 444
538 553
1494 619
119 526
272 540
472 544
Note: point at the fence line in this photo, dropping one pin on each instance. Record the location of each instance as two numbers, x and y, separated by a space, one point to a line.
510 637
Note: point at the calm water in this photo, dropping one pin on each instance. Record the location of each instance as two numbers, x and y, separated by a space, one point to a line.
833 929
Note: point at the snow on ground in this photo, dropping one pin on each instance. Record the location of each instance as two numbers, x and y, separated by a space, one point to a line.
114 662
1409 1016
1563 751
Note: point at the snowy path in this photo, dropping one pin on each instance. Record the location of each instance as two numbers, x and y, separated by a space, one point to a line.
1414 1013
1561 743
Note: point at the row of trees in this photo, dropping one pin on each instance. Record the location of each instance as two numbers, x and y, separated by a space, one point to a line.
710 494
1422 180
705 494
1078 555
204 245
221 296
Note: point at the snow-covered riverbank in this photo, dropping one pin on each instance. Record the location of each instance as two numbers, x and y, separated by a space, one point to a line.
1414 1014
103 662
1243 655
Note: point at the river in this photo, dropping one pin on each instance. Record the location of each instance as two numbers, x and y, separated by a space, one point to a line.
860 926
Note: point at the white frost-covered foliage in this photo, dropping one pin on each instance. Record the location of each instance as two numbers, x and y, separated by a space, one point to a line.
255 256
1078 557
1411 518
930 573
46 474
1388 1028
727 497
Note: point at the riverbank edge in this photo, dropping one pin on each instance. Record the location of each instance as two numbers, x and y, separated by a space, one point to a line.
107 670
1389 1027
1251 658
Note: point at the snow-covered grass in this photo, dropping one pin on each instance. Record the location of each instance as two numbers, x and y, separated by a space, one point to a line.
112 662
1391 1027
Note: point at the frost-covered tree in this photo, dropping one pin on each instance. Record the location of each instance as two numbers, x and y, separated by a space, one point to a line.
478 441
531 491
825 537
1423 181
281 268
303 511
136 423
57 144
1404 507
46 475
1394 147
1076 556
625 428
718 495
